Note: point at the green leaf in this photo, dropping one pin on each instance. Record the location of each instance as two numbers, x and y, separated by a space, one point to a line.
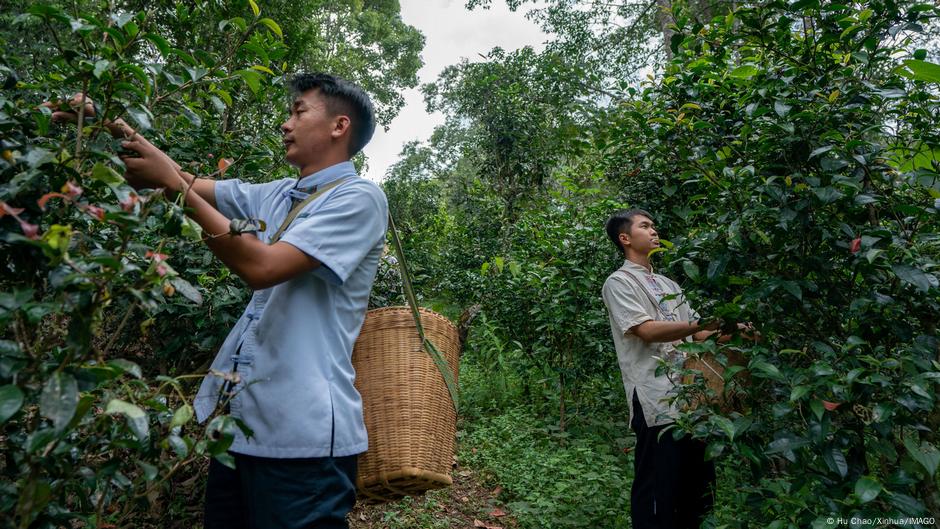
191 229
103 173
187 290
38 156
11 400
264 69
101 67
926 454
835 459
867 489
821 150
827 194
251 78
59 399
725 425
767 369
178 446
141 117
126 366
912 276
182 416
923 70
136 418
798 392
817 408
781 108
254 7
744 72
150 471
785 444
272 25
714 449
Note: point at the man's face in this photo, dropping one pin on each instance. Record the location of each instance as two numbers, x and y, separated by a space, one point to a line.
311 129
643 237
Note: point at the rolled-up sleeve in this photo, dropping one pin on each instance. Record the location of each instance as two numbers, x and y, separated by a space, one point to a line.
626 304
239 200
342 229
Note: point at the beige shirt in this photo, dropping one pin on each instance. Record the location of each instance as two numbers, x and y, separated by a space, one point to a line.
629 304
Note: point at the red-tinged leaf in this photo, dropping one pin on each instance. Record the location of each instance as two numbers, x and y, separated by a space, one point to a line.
71 189
627 449
47 197
95 211
29 230
856 245
161 270
128 203
210 155
831 406
497 491
223 165
157 257
478 523
497 512
6 209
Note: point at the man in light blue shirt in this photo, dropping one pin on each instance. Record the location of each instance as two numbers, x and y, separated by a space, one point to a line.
288 359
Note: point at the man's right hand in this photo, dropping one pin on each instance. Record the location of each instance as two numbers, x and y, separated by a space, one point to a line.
118 128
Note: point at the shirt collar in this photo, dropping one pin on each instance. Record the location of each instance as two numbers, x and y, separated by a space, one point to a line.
327 175
630 265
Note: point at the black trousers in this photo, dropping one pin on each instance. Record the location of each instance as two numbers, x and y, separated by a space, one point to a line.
673 485
262 493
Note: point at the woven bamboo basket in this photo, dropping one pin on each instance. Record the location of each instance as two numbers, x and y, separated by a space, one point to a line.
713 372
408 411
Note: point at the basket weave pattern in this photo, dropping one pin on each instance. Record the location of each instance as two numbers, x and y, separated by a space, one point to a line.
408 412
713 372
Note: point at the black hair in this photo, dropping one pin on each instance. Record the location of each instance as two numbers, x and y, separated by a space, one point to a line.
342 97
621 222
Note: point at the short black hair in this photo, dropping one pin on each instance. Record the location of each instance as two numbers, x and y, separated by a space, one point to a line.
342 97
621 222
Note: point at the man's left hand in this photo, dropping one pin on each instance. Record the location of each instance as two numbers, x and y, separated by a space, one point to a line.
151 167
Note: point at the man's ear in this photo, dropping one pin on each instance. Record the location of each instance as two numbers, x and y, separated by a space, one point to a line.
341 125
624 239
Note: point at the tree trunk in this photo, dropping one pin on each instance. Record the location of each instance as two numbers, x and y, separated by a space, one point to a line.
666 20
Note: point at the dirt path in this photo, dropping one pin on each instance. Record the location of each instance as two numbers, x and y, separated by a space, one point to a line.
465 505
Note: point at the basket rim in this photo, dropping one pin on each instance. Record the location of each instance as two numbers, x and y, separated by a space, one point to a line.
406 308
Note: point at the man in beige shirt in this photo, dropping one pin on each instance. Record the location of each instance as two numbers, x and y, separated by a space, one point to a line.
672 486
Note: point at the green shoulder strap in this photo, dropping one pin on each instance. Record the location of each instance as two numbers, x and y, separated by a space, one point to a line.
299 207
429 346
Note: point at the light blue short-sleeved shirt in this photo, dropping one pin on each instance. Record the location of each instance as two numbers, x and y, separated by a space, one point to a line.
292 347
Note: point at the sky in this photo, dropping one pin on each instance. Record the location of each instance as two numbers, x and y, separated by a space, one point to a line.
451 33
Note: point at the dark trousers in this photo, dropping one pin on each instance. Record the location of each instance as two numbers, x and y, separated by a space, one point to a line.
262 493
672 483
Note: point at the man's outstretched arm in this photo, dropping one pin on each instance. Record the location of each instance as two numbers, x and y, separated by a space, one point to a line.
259 264
119 128
653 331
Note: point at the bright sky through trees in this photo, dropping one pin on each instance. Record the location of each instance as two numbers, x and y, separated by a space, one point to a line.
452 32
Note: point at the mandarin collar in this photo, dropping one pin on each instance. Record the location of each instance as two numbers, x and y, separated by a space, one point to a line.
327 175
630 265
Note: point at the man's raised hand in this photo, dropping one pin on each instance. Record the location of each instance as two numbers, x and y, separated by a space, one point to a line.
149 167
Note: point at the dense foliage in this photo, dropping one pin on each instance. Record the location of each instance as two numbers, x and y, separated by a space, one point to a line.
110 306
789 152
795 146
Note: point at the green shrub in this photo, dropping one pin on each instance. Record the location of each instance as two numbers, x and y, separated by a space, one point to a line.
551 480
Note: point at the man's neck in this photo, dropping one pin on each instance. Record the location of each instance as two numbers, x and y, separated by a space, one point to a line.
641 259
319 165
